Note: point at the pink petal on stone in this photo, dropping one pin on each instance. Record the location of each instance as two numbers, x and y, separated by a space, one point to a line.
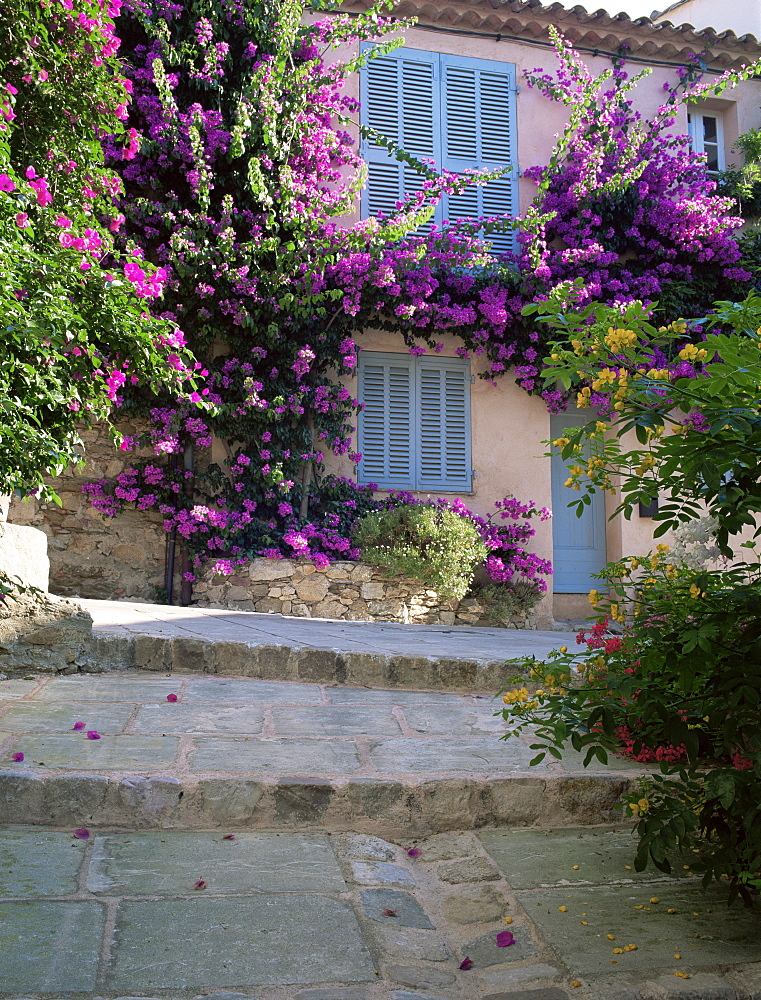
229 836
505 939
93 734
200 884
414 852
82 833
171 697
78 726
18 757
465 964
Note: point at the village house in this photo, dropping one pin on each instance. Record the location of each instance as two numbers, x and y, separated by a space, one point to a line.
455 92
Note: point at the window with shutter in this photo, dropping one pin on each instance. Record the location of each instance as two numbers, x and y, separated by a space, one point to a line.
458 111
707 134
414 432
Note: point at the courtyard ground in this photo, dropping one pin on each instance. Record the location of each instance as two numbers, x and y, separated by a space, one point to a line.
283 840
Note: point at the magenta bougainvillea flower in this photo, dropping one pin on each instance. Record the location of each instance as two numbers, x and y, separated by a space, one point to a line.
171 697
18 757
78 726
82 833
505 939
93 734
414 852
465 964
200 884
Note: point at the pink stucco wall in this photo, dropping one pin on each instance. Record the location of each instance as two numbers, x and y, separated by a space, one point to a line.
508 426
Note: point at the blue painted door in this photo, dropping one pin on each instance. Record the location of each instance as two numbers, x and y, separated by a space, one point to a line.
578 542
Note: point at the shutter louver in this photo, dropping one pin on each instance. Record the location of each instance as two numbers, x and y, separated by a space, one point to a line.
398 99
479 131
457 427
385 425
432 426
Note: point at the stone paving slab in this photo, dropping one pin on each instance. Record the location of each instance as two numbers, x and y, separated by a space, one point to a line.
279 753
292 916
244 643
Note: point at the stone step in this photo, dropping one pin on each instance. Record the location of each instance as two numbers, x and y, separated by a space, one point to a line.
246 753
160 638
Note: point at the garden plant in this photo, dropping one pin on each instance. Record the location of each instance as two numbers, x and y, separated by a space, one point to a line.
76 319
245 171
674 414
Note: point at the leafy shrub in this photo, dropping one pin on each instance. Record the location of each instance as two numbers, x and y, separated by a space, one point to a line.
502 602
680 687
431 544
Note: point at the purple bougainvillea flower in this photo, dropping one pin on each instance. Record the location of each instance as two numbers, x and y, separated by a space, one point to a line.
18 757
171 697
78 726
465 964
229 836
82 833
414 852
200 884
93 734
505 939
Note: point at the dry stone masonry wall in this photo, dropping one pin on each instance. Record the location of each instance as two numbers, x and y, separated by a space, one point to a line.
345 590
91 555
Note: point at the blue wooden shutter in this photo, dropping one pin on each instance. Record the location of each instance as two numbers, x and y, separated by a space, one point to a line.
479 131
398 96
443 391
386 425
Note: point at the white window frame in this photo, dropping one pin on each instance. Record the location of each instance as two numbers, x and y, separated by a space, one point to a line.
696 130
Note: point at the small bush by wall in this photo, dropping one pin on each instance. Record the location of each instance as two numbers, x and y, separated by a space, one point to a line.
431 544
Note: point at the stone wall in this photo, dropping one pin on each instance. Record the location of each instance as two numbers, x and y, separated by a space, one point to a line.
346 590
24 554
40 633
91 555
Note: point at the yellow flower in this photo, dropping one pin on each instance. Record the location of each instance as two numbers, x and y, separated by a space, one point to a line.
593 597
662 547
644 805
560 442
695 591
563 649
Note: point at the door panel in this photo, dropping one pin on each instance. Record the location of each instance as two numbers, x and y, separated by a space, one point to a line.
579 547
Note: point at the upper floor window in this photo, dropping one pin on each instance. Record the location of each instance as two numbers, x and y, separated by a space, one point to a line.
414 430
707 137
457 111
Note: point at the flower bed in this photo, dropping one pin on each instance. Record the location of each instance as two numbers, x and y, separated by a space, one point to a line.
347 590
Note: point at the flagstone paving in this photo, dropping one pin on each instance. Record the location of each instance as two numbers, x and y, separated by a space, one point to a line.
230 839
177 915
